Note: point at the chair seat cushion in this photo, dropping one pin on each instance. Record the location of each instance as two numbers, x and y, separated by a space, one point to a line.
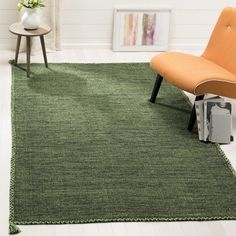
194 74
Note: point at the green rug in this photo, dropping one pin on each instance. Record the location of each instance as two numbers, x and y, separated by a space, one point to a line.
88 147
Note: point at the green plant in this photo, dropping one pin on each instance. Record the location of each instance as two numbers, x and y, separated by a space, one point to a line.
30 4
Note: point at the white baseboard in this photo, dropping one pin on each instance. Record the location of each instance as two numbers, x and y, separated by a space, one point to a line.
85 46
196 48
178 47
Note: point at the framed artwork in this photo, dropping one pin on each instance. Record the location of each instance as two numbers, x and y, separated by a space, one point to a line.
141 29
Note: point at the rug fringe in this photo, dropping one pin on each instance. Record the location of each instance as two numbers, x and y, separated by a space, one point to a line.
13 229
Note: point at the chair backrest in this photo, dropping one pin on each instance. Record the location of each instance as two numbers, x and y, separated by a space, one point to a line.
221 48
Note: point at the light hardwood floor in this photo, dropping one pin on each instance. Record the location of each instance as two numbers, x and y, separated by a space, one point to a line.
210 228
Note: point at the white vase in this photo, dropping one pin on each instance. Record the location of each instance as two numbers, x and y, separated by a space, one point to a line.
31 19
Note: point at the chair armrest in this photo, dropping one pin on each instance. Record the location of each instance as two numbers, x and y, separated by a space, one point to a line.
219 87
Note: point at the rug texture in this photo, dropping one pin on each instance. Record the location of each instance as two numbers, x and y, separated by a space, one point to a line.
88 147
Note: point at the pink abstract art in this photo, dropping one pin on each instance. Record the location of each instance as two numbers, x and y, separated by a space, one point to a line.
141 29
130 29
149 26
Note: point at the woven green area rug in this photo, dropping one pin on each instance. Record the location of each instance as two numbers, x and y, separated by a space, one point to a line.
88 147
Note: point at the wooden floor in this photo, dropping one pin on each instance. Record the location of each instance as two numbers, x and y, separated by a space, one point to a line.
213 228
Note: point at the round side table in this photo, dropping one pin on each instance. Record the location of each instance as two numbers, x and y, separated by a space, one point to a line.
18 29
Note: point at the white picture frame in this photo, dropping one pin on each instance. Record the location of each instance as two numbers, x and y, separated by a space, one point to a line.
141 28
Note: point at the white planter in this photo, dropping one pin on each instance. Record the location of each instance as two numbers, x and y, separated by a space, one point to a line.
31 19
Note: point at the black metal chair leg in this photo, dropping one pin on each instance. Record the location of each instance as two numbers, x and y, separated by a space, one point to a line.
193 117
156 88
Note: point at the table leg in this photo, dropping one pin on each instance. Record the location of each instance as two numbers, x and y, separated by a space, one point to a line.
17 49
28 55
44 50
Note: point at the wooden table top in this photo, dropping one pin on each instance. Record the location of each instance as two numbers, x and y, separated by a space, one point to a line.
18 29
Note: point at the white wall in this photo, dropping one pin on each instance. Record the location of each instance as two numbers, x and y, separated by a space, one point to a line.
8 15
88 23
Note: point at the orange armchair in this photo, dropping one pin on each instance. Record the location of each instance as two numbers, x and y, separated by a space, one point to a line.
213 72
